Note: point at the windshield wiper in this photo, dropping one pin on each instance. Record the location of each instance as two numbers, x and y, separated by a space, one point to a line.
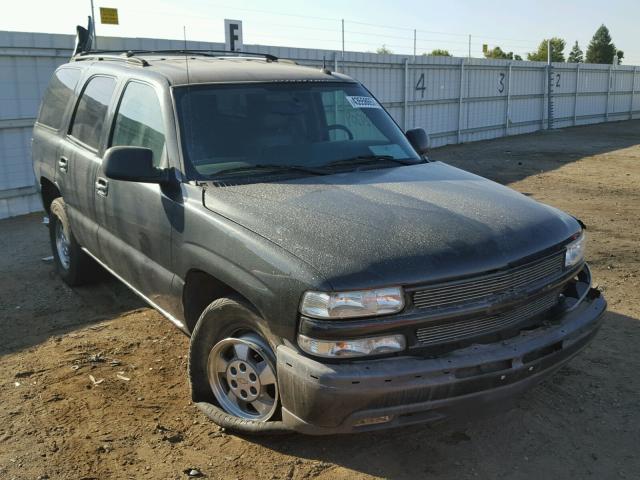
271 167
364 159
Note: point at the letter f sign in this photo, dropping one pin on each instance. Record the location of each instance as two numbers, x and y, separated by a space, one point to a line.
233 35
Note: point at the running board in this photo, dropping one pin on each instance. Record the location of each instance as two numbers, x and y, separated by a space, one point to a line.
170 317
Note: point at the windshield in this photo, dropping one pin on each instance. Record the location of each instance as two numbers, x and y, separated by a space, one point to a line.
250 128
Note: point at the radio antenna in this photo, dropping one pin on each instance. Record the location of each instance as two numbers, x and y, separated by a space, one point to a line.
186 54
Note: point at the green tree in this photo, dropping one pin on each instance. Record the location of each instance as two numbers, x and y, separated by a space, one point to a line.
576 55
438 52
383 50
557 51
601 48
498 53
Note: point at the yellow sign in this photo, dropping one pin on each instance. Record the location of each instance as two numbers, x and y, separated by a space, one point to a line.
109 16
485 47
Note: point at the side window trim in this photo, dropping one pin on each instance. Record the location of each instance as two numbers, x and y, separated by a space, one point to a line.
75 111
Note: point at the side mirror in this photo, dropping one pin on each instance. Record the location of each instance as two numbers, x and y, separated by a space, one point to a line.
419 140
132 164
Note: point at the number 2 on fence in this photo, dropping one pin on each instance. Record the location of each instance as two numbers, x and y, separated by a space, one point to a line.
420 85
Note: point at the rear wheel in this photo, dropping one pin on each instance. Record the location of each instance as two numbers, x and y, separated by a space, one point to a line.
232 369
74 265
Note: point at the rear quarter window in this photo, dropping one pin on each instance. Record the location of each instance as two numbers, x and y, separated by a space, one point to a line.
91 111
57 97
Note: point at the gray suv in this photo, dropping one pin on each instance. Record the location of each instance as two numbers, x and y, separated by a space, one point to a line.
332 278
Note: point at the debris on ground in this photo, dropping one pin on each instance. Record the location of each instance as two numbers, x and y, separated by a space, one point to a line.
193 472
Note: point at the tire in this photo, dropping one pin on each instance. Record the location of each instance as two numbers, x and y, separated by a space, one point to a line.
225 324
74 266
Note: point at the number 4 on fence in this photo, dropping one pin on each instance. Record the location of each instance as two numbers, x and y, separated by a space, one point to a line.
420 85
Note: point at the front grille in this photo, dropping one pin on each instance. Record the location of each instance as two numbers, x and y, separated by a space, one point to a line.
457 330
483 287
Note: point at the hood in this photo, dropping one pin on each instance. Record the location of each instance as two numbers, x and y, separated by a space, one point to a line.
404 225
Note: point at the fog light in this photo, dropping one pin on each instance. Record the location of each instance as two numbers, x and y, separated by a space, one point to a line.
359 347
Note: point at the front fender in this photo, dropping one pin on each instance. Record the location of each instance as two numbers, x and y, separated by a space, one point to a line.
268 276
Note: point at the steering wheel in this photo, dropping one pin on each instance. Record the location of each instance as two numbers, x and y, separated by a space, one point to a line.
337 126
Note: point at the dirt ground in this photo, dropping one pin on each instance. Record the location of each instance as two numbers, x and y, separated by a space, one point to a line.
93 384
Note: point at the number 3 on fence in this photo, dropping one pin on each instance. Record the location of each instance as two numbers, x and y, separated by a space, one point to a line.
501 82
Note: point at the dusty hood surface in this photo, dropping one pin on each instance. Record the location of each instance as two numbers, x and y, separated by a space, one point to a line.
397 225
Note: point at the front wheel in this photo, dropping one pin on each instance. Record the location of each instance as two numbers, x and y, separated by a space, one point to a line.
242 377
232 369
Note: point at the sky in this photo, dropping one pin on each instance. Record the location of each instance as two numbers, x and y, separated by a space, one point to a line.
516 26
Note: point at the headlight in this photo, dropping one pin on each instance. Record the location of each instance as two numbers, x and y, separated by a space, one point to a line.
352 348
575 251
362 303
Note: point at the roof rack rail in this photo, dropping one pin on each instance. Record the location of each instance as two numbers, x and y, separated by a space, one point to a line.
132 54
104 55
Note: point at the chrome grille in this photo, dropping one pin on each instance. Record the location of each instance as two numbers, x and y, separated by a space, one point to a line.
457 330
482 287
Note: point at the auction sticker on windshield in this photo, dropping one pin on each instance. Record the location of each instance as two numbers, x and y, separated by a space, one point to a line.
363 102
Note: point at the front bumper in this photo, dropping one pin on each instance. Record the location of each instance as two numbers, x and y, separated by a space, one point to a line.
319 398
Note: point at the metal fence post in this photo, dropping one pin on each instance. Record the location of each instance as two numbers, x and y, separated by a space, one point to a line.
335 93
606 110
575 99
507 113
406 94
633 92
545 79
460 100
549 97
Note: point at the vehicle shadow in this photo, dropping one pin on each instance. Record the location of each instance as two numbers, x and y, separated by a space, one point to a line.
34 303
545 436
510 159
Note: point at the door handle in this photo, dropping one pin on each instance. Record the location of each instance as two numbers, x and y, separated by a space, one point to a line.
102 186
63 164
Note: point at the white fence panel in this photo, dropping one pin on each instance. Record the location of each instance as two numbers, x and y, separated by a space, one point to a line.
454 99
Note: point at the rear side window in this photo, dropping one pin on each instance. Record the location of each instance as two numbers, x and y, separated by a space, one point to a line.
57 96
92 110
138 122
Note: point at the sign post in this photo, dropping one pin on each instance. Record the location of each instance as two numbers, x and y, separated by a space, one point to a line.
233 35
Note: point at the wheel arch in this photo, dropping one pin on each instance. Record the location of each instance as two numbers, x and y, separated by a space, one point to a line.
49 191
200 290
